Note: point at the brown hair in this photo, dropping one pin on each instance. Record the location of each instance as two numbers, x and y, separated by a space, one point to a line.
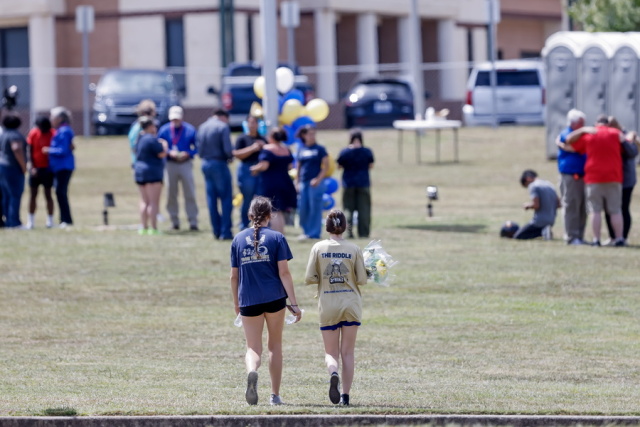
259 210
302 132
146 107
278 134
355 134
336 222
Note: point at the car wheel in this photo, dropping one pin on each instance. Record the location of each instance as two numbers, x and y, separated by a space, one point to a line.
101 130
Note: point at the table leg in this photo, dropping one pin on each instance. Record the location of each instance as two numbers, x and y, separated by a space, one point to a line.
437 145
455 143
401 132
418 147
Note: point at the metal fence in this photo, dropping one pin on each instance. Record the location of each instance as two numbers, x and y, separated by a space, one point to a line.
199 105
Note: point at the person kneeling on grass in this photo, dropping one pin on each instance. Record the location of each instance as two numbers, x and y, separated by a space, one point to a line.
260 285
337 267
544 202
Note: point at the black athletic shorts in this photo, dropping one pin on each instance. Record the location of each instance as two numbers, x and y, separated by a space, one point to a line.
148 182
43 176
267 307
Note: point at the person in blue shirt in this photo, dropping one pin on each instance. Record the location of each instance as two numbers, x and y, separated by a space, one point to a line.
215 149
13 166
247 150
312 166
62 160
356 160
260 285
147 108
149 172
181 138
572 188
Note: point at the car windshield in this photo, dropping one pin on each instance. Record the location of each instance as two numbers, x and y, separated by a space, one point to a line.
510 78
373 90
135 83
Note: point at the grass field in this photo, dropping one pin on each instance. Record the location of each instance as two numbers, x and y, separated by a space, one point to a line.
103 321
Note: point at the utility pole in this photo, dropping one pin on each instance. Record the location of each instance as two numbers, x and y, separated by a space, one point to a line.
226 32
268 16
415 37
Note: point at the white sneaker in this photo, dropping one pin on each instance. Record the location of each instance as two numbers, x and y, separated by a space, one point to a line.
302 237
546 233
29 226
575 242
275 400
63 225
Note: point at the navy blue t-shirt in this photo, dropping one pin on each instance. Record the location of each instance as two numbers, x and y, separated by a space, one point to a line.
258 278
310 160
245 141
148 166
356 162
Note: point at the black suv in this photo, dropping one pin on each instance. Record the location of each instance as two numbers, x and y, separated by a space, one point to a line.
378 103
237 95
119 92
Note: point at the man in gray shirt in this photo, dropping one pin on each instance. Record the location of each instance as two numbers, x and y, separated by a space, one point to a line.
544 202
213 142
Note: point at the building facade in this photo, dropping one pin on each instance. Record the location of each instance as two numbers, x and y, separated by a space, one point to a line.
336 43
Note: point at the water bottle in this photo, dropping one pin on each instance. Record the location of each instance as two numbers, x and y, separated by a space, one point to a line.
291 318
238 321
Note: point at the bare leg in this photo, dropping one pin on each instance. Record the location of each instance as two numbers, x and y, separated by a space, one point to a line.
144 206
33 194
154 192
347 351
275 325
331 349
49 199
253 327
617 224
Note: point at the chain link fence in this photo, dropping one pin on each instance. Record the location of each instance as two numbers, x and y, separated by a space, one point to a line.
199 104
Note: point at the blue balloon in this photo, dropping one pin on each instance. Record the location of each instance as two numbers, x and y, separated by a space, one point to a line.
330 185
327 202
294 94
302 121
280 103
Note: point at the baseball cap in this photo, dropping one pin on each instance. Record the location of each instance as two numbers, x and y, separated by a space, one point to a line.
175 113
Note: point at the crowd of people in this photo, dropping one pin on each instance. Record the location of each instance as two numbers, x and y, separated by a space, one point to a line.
294 182
597 166
46 157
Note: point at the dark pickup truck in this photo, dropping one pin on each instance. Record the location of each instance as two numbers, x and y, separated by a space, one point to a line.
237 95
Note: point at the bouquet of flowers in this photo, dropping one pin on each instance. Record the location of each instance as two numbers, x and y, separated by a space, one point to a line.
377 262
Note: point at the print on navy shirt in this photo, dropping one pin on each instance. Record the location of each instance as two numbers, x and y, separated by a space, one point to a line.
249 252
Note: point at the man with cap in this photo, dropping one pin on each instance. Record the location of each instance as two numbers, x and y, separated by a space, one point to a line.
181 138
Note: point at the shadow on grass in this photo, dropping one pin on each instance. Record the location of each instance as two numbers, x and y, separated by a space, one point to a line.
447 228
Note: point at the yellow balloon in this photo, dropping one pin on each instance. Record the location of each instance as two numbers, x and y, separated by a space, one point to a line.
293 173
258 87
291 110
332 165
237 201
317 109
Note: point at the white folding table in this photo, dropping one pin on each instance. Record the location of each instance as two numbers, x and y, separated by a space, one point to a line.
423 125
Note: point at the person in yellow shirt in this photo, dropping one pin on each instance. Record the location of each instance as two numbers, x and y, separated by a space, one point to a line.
337 267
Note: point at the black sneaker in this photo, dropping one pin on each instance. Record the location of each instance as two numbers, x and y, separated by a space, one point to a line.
176 227
344 400
620 242
194 228
596 243
334 393
252 388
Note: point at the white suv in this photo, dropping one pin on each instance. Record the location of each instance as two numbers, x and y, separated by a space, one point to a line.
520 93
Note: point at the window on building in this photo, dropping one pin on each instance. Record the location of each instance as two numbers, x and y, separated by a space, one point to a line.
526 54
175 51
14 55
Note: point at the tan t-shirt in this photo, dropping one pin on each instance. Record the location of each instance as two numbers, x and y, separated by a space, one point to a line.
337 267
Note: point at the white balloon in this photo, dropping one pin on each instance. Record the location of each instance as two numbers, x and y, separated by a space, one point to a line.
284 79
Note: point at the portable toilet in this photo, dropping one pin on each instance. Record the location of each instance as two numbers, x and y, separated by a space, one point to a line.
593 77
561 54
623 80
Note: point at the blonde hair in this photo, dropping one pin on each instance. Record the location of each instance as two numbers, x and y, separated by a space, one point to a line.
259 210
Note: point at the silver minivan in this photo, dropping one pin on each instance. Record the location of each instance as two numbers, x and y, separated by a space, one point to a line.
520 94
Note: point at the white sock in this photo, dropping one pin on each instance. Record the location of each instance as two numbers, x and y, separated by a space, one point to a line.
32 218
49 220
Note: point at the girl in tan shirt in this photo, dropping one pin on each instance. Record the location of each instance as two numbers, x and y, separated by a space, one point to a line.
337 267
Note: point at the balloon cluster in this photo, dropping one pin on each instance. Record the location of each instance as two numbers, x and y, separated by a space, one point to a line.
330 186
377 262
292 111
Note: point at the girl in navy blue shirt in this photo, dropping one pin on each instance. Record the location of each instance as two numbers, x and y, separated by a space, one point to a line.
313 164
260 284
149 172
